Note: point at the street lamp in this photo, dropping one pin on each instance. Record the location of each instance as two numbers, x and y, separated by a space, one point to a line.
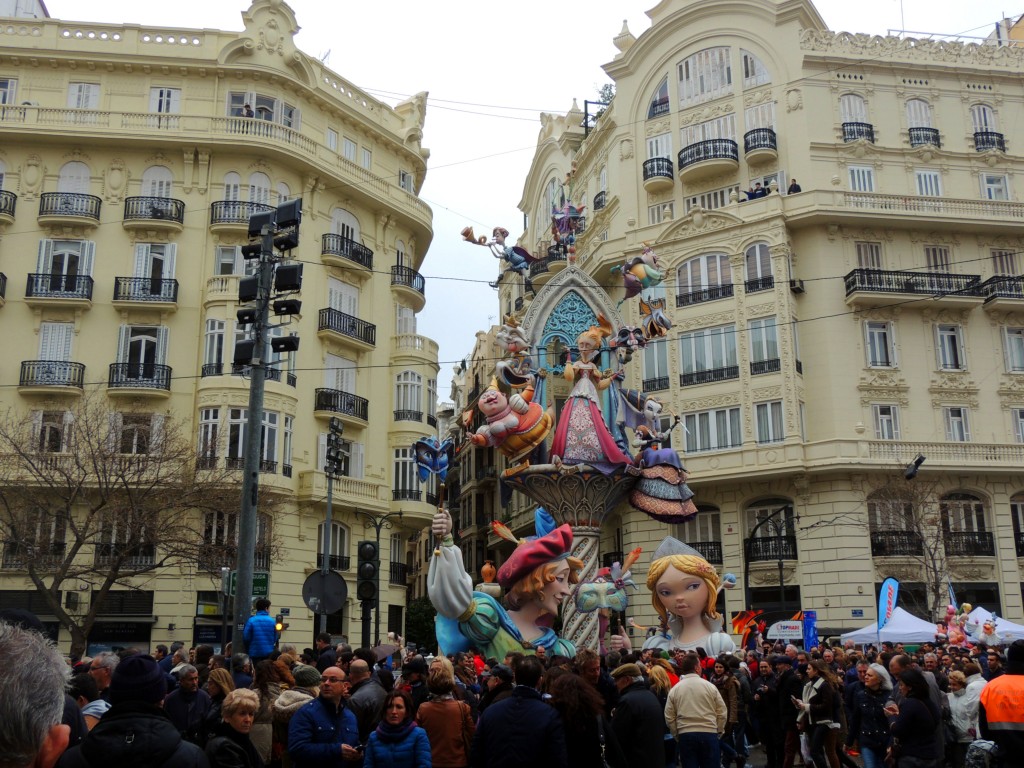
377 522
778 527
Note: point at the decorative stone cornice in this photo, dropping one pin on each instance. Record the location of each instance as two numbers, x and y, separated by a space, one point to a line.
890 49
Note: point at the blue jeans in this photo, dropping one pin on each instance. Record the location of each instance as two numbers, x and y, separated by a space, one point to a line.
873 758
699 750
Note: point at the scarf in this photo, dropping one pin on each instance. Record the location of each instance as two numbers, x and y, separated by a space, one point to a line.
392 734
720 680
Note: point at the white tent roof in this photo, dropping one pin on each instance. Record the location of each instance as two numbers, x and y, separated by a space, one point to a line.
1007 630
903 627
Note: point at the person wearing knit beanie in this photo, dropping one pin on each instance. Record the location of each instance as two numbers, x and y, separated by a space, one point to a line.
138 678
306 676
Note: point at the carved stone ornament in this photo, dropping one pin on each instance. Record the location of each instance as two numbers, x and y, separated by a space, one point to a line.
875 386
794 100
770 576
32 173
901 571
866 47
712 401
626 149
948 387
971 571
115 179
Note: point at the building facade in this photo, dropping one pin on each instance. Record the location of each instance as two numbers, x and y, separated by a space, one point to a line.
131 160
837 221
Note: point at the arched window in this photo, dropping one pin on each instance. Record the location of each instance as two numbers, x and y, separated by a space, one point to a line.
919 113
770 517
983 118
758 262
853 108
400 255
284 193
963 512
602 178
754 72
156 181
344 223
259 188
708 272
659 101
232 186
703 532
409 393
74 177
704 76
339 539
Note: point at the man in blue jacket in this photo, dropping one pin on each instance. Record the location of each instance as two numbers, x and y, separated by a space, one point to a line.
522 729
260 634
324 732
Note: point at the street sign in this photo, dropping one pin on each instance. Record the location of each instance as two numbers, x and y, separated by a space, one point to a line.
857 613
324 593
285 611
260 583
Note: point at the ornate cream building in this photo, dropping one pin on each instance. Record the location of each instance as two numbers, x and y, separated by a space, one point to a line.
869 308
129 169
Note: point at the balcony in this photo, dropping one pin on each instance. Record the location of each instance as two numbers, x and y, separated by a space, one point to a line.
141 556
237 464
925 137
542 268
760 146
759 284
137 379
985 141
412 348
161 214
338 251
409 284
858 131
710 550
406 494
146 292
708 158
1003 292
407 415
657 384
714 293
601 199
57 289
757 367
709 376
608 559
18 555
658 175
334 402
399 575
764 549
336 562
213 557
69 208
896 544
969 543
45 377
336 325
233 215
879 288
8 202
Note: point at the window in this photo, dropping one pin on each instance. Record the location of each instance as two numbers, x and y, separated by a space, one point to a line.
432 400
232 186
712 430
407 483
1004 262
37 535
289 431
209 443
720 128
659 101
928 183
400 253
704 76
949 347
983 118
887 422
1018 424
759 262
405 320
655 356
8 91
55 341
397 550
84 95
284 193
136 432
259 188
366 158
602 178
351 454
776 509
963 512
157 181
409 392
879 344
237 422
343 297
289 116
711 270
155 262
230 262
74 177
919 113
754 72
937 258
853 108
994 187
345 223
340 373
53 429
142 348
348 149
165 102
708 349
705 527
660 212
264 107
406 181
957 427
1014 349
332 140
268 441
759 116
869 255
862 178
62 263
659 146
769 422
764 343
338 542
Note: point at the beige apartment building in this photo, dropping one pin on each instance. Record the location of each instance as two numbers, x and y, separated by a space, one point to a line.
131 159
868 309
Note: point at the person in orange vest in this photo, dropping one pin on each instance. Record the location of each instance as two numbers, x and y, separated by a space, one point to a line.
1001 715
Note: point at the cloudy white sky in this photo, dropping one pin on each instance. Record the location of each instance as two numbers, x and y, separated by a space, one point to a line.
490 69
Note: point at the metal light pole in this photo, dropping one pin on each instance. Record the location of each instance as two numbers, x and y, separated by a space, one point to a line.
332 466
778 527
376 522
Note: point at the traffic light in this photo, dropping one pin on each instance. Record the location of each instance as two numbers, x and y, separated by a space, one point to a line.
366 571
279 624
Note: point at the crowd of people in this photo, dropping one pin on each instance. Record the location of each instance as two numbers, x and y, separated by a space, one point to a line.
337 706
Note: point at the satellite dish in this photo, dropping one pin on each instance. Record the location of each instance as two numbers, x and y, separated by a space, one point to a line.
324 592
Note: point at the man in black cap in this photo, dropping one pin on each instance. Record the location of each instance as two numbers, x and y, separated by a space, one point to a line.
497 685
135 730
638 720
788 686
414 676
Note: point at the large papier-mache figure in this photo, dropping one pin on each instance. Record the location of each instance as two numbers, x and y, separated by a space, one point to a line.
536 578
684 589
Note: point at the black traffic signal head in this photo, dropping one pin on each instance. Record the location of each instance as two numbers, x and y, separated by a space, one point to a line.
367 570
279 624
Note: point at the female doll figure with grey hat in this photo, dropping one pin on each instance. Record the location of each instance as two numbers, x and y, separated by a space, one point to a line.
684 589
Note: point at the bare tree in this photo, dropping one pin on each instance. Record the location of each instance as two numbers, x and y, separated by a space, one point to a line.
92 498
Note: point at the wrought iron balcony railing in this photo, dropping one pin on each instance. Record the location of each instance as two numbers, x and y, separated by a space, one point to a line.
772 365
758 284
51 373
399 574
925 137
709 376
145 289
1003 287
711 550
927 283
969 543
713 293
71 204
235 211
336 562
768 548
18 555
212 557
150 208
345 403
600 200
139 376
406 494
658 168
212 369
656 384
896 543
408 277
986 140
337 245
403 414
8 202
58 286
855 131
759 138
139 556
711 149
335 320
608 559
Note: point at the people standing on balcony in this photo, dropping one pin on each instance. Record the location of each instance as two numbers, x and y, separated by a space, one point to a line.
793 188
247 111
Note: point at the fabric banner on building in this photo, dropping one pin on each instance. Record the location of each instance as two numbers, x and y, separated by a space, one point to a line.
810 629
887 596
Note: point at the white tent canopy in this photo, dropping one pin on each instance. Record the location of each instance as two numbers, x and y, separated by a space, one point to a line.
903 627
1007 630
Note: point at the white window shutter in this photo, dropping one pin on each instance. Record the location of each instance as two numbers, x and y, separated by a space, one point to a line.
161 345
123 339
321 451
69 423
141 259
355 460
115 421
45 261
88 254
170 256
37 426
156 436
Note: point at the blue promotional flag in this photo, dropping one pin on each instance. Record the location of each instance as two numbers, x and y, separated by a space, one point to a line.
887 596
810 629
